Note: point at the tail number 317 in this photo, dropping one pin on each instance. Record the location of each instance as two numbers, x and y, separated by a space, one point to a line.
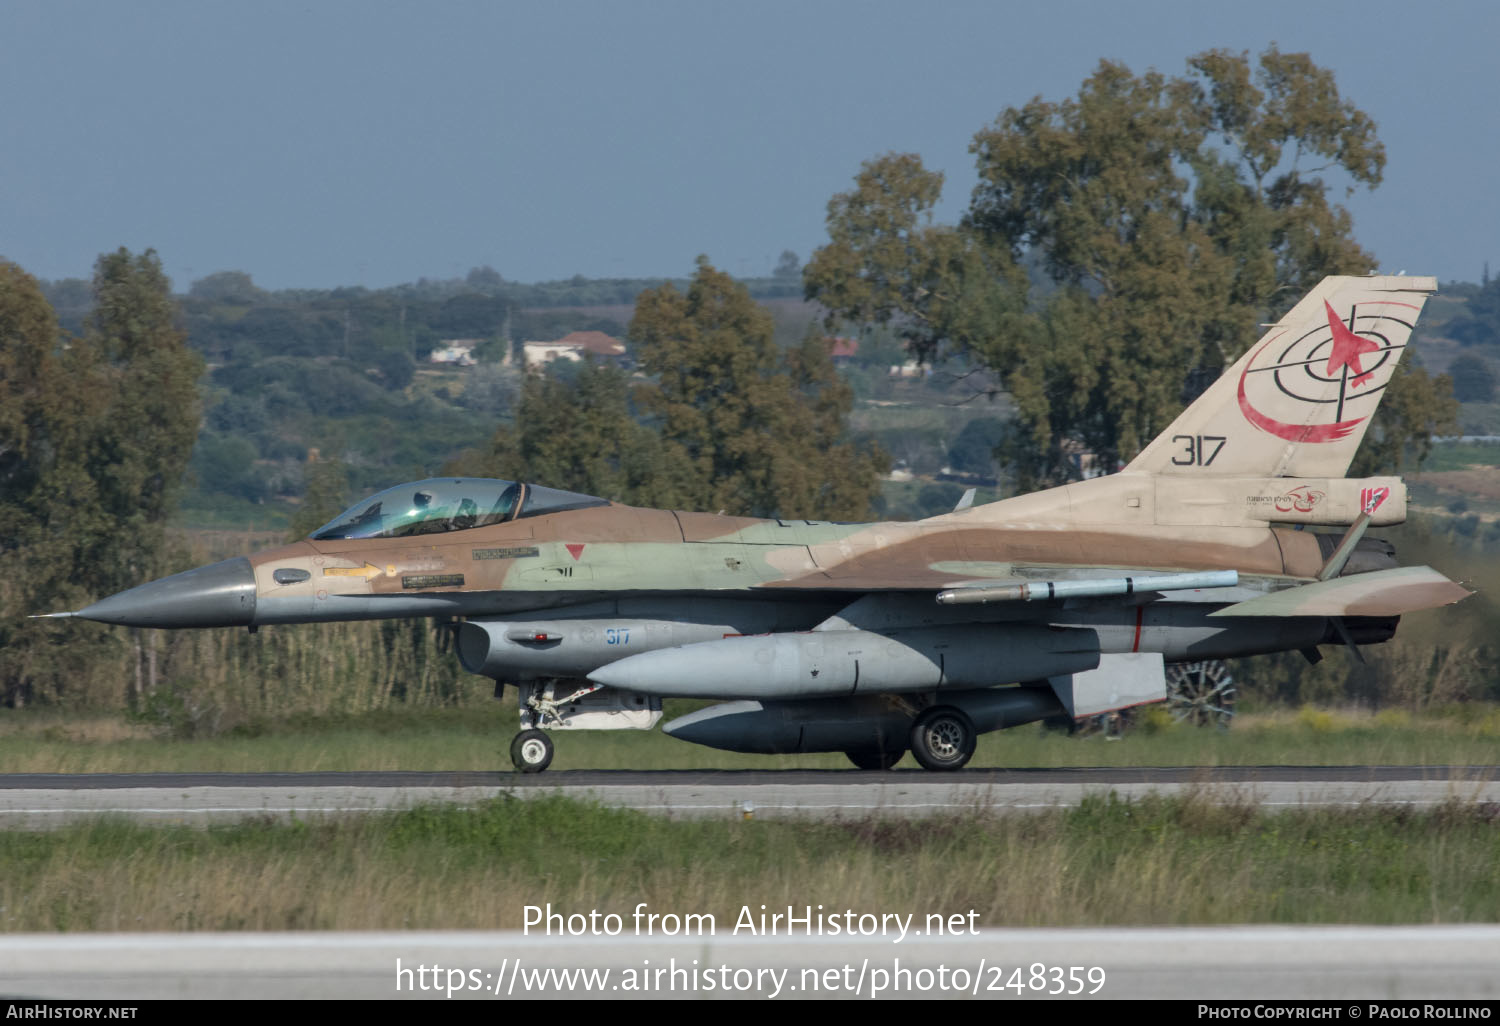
1197 450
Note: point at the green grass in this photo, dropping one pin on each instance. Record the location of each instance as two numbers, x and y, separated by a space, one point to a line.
1159 861
477 737
1462 456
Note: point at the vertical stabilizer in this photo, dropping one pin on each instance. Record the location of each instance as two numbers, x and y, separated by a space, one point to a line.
1298 403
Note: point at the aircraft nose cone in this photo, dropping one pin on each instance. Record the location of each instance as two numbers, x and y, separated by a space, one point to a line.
217 595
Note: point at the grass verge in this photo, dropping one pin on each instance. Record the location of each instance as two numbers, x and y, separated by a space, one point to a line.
477 737
1160 861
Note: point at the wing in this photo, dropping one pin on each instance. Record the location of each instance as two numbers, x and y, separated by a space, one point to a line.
1405 589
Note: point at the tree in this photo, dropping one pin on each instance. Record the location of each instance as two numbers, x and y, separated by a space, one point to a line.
580 432
484 279
887 263
1473 379
730 422
973 451
325 497
1161 218
226 464
1416 408
758 433
818 471
47 501
142 436
396 368
140 432
227 287
1478 324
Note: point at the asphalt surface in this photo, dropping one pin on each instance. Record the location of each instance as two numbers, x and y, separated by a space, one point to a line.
1445 964
554 780
41 801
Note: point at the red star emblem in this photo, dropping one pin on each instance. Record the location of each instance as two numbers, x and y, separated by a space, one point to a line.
1347 348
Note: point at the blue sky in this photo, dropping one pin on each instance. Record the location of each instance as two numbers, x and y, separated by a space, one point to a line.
323 143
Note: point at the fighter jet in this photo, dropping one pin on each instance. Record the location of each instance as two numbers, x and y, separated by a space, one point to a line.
876 639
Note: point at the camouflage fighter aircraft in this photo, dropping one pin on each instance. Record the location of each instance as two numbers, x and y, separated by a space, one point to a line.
872 639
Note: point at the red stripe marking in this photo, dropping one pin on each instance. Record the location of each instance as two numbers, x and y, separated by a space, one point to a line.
1140 611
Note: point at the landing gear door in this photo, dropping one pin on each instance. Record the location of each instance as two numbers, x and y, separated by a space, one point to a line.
1121 680
564 705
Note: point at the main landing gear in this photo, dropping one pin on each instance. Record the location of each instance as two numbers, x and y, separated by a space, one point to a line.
943 738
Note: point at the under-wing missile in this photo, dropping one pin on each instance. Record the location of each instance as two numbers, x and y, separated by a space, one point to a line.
1033 591
849 662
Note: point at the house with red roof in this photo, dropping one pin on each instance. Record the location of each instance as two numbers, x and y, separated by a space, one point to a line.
576 346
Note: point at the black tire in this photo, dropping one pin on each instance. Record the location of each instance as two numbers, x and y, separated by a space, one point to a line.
943 738
875 758
531 751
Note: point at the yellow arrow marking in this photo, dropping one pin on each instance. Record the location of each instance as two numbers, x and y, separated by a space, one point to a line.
367 571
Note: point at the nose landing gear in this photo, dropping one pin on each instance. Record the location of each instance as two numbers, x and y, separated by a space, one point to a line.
531 751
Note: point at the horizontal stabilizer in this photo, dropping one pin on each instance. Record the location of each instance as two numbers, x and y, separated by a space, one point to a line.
1392 592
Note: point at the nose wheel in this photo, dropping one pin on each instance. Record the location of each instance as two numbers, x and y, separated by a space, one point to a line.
531 751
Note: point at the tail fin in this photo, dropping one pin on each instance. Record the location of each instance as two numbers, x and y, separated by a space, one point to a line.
1299 402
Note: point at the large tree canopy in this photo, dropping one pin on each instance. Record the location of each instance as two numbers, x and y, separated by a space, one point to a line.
762 432
95 433
145 429
727 422
1160 219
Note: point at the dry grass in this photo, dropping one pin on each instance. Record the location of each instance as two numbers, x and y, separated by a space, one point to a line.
1108 862
84 730
474 734
1483 482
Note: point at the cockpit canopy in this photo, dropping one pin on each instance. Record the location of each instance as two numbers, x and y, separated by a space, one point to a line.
441 504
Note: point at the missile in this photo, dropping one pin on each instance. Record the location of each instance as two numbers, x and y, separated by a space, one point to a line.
814 664
1046 590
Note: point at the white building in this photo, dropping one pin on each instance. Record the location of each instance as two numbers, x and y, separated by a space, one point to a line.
456 352
573 347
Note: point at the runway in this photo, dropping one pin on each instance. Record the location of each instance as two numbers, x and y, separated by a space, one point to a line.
39 801
1446 964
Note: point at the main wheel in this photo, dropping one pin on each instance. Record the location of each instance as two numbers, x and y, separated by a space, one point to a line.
943 738
1201 694
531 751
874 758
